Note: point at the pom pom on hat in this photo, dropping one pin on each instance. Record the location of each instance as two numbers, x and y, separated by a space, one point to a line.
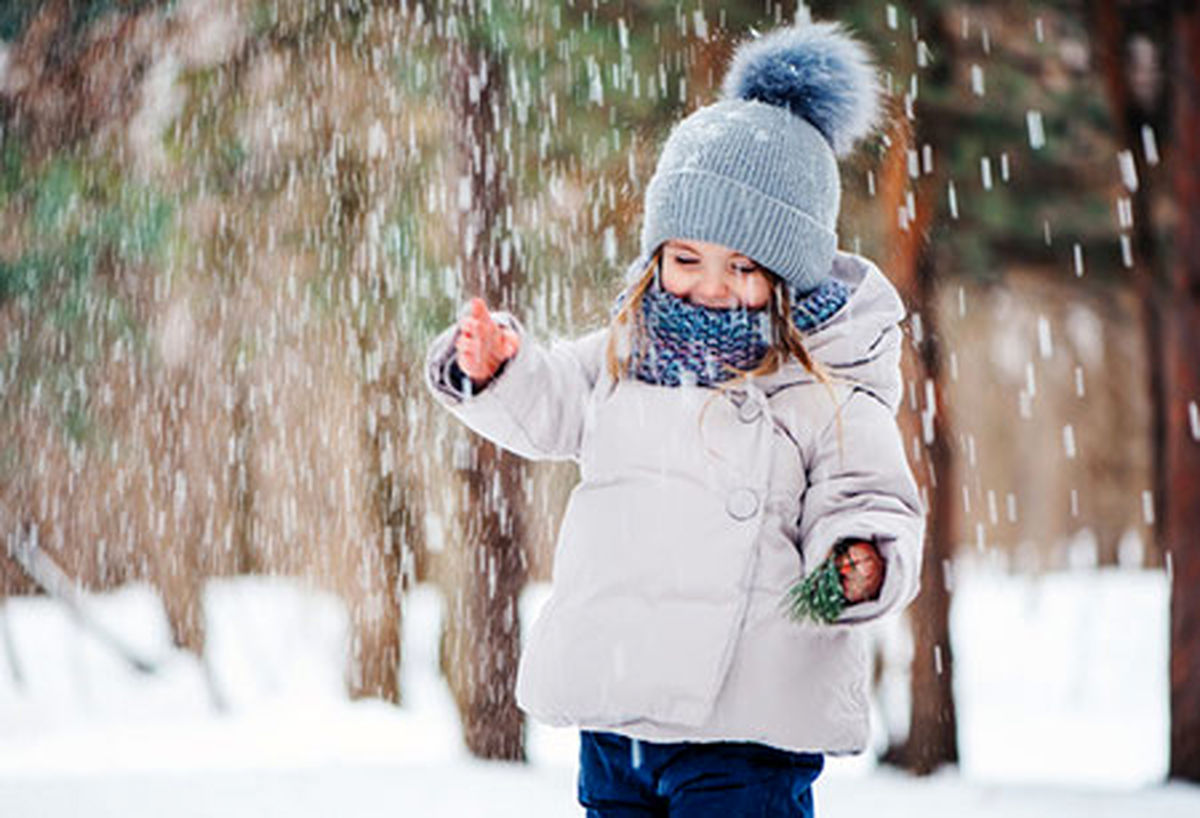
815 70
734 173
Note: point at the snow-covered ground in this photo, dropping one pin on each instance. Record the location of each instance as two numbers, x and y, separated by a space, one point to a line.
1061 686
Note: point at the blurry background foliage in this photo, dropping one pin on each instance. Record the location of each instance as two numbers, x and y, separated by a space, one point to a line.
592 88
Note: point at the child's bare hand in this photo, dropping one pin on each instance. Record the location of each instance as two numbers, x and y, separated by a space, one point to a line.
482 344
861 571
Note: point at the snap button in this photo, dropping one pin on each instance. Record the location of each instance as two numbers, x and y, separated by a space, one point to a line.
749 411
742 503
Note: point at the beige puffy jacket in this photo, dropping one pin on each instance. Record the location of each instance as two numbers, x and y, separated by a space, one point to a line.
665 619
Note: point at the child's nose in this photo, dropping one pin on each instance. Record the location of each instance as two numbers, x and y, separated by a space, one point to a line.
712 289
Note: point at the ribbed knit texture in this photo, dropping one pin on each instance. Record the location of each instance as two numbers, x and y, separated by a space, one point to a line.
757 170
690 342
753 177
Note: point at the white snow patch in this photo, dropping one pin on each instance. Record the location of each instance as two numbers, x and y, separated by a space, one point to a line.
1060 684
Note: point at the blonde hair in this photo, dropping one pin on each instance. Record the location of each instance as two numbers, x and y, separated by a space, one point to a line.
787 340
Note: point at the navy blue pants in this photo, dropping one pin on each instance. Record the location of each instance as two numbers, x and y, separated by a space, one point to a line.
620 777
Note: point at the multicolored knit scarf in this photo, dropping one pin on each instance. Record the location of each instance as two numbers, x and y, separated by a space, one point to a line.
690 342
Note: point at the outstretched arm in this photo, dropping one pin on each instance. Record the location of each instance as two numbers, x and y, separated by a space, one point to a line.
533 402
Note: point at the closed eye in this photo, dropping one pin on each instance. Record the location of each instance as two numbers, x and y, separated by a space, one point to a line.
748 269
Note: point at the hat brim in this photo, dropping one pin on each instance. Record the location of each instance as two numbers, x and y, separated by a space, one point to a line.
698 204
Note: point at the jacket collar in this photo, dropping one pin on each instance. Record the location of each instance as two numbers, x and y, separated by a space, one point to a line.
859 342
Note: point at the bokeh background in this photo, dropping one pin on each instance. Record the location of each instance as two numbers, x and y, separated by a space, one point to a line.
231 228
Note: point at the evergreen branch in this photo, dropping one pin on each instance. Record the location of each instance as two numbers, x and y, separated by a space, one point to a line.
818 596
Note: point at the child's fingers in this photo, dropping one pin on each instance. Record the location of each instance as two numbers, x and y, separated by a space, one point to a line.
861 570
467 347
471 331
864 573
473 355
478 321
482 343
479 312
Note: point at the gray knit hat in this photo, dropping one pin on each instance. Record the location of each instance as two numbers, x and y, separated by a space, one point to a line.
757 171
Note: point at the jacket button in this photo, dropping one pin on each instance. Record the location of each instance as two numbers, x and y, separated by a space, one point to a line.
749 411
742 503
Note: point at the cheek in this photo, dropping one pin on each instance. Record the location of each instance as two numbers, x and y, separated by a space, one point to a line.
758 292
674 281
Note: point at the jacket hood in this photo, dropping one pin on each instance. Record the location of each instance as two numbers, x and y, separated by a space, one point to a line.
859 342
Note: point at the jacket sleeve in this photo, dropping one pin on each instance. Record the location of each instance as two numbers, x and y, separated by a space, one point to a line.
534 404
865 491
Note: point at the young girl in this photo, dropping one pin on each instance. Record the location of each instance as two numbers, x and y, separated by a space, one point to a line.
734 427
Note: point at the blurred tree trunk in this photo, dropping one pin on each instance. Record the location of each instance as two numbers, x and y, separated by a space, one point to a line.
1112 27
1181 520
932 736
398 508
1169 293
483 636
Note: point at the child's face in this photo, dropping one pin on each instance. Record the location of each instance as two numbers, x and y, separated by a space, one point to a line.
712 275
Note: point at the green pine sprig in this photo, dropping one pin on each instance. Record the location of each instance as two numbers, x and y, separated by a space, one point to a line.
819 596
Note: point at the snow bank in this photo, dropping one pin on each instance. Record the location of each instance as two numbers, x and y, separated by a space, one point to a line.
1060 679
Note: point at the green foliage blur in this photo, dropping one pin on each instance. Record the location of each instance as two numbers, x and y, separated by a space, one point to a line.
589 91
